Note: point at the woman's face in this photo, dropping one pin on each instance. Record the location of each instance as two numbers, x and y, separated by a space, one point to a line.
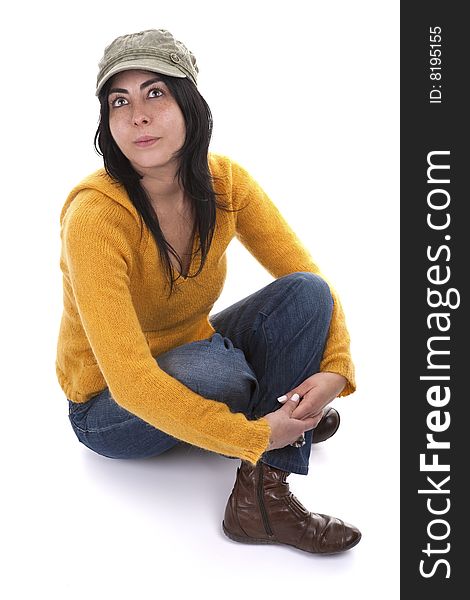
145 120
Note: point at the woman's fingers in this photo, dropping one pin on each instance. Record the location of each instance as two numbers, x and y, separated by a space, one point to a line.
310 422
300 390
283 399
291 404
284 428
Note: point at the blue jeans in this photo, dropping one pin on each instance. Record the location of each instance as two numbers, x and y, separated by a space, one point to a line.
264 345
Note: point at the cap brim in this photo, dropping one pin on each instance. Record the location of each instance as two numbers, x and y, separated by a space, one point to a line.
152 65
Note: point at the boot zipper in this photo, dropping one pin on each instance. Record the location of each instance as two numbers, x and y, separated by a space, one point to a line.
262 507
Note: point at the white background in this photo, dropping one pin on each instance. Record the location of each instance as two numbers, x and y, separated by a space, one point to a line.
305 96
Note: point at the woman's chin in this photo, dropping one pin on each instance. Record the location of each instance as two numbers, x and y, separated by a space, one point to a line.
145 164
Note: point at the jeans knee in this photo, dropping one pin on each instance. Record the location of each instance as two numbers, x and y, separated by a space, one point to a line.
312 291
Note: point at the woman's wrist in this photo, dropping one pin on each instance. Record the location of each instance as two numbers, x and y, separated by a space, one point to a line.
340 380
270 438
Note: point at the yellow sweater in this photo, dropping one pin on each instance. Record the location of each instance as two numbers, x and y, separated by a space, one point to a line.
117 316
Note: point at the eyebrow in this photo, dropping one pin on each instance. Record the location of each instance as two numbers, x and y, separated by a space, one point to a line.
142 86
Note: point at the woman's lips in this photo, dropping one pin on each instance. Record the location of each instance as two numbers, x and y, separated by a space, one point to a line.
145 141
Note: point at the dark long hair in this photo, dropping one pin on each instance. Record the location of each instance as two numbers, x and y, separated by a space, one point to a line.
193 172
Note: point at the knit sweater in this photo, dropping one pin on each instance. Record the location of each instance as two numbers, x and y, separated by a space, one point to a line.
117 316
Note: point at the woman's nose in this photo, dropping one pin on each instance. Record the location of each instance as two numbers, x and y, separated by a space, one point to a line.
140 117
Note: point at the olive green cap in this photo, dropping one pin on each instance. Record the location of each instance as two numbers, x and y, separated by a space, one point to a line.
151 50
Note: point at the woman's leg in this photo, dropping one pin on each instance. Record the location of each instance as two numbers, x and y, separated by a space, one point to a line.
282 330
213 368
110 430
274 329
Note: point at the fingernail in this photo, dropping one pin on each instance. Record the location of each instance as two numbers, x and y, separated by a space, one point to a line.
282 398
295 397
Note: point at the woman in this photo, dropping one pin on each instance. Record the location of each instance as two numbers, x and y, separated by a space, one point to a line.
142 363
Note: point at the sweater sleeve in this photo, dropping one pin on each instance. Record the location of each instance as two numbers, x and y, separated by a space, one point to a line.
97 240
268 237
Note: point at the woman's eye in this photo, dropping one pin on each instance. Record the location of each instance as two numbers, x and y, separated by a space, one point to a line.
118 102
155 93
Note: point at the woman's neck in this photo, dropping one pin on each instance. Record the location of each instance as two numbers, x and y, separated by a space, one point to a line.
164 191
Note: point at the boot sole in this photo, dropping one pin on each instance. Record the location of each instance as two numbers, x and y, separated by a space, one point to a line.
248 540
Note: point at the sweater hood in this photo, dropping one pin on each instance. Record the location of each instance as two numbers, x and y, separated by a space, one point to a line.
101 182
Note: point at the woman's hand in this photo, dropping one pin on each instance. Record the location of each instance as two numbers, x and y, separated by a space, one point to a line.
315 393
284 429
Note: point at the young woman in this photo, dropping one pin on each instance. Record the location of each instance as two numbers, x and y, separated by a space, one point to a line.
141 361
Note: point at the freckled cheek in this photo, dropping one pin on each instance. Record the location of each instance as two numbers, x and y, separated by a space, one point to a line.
118 129
182 132
181 126
179 130
173 121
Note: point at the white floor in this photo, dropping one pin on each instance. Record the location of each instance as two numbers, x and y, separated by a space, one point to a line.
82 526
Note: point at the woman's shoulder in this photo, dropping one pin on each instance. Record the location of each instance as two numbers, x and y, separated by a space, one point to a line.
219 164
231 178
225 167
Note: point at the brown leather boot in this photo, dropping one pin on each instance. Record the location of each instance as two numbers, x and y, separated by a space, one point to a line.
328 425
262 510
